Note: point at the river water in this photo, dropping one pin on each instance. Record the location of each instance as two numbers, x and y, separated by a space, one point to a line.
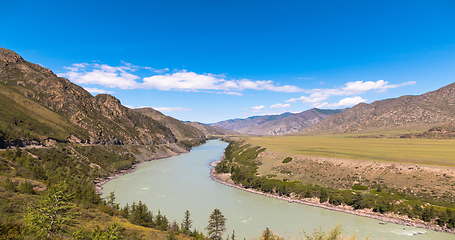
175 184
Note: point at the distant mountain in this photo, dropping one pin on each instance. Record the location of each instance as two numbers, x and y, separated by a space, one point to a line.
36 106
181 130
209 130
432 109
286 123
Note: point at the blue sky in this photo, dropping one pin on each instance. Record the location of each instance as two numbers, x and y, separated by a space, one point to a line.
214 60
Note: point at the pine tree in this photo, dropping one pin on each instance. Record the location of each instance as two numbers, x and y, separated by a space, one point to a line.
125 212
267 234
111 199
217 225
52 215
140 215
187 222
161 222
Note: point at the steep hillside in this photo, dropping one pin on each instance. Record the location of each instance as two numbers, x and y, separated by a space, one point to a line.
181 130
424 111
36 105
286 123
39 108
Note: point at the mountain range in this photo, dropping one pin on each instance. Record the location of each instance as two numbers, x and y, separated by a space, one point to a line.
433 110
282 124
431 114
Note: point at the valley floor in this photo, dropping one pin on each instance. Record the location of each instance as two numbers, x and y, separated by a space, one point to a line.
420 167
417 172
436 152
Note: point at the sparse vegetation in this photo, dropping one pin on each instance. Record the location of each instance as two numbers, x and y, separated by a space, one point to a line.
287 160
240 161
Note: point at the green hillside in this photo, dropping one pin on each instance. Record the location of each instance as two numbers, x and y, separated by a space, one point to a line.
56 140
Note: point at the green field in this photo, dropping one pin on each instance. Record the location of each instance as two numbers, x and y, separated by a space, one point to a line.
420 151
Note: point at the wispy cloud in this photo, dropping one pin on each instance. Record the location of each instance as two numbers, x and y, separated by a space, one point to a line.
280 105
257 108
318 97
102 75
345 102
97 90
231 93
172 109
124 77
163 109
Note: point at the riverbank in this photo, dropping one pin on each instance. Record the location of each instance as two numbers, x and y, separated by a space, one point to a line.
384 218
143 155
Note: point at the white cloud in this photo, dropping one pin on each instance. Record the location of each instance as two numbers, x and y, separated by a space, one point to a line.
257 108
162 109
123 77
345 102
318 97
102 74
280 105
232 93
191 81
182 81
97 90
364 86
172 109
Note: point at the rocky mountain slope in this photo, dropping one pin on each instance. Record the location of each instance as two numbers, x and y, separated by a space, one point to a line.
36 105
49 116
181 130
432 109
286 123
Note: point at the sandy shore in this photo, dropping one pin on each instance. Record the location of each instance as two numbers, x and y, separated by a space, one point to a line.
391 218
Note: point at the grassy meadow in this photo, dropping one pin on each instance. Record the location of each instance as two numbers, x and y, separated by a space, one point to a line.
439 152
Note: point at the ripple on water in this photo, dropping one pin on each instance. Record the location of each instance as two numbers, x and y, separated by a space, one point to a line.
409 232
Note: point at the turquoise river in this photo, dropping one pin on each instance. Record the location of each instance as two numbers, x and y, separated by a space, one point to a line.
175 184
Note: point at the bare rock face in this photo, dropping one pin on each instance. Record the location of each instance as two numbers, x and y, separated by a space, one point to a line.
8 56
49 107
110 106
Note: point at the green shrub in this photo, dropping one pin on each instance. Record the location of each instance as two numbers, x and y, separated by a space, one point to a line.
26 187
286 160
359 187
9 185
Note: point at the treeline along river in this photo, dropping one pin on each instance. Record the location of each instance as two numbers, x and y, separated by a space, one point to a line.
175 184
